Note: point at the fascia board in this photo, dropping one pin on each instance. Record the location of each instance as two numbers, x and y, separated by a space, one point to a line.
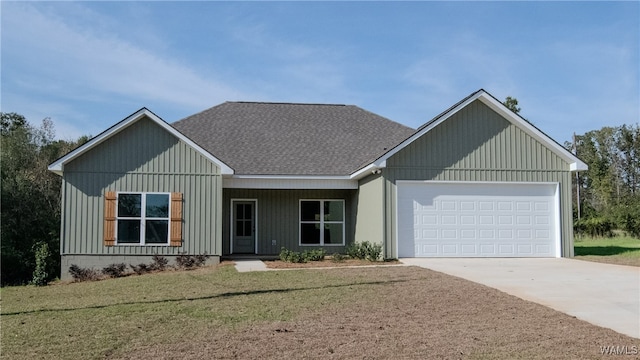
365 171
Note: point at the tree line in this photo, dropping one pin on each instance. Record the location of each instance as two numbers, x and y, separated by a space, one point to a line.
607 196
30 199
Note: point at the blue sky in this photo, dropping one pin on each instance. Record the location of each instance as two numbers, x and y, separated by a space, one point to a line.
573 66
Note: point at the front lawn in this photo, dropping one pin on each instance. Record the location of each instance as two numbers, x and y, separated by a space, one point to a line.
621 250
215 312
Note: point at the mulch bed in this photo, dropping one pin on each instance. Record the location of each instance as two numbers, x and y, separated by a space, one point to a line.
278 264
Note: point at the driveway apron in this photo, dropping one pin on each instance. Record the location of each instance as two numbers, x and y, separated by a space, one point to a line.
602 294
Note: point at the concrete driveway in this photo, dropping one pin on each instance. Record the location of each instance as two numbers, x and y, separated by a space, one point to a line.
602 294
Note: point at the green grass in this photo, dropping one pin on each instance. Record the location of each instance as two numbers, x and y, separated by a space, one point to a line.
108 318
622 250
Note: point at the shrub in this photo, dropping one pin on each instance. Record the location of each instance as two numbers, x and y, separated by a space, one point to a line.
594 227
114 270
306 256
314 255
184 261
40 274
374 251
291 256
141 269
159 262
83 274
337 257
365 250
200 260
356 251
632 225
629 217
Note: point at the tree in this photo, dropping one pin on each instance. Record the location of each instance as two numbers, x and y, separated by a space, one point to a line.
512 104
30 196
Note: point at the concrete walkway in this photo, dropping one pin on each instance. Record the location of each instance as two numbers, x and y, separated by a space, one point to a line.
602 294
250 265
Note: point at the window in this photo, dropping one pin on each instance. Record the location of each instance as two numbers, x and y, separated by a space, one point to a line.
142 218
321 222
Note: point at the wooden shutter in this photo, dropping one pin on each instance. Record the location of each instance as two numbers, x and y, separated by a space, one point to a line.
110 204
176 219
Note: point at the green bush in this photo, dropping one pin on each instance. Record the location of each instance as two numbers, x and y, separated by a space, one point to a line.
629 217
365 250
291 256
594 227
337 257
356 251
40 274
314 255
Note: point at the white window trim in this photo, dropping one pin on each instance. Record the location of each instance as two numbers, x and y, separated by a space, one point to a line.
143 218
321 222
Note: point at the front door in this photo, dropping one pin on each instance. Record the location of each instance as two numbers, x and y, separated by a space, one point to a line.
243 227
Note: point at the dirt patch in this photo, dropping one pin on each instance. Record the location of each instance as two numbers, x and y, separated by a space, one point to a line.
278 264
410 313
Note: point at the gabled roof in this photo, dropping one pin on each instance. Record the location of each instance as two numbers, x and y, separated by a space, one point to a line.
575 164
257 138
58 165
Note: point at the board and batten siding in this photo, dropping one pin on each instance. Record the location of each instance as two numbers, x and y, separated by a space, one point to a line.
279 217
370 210
477 144
141 158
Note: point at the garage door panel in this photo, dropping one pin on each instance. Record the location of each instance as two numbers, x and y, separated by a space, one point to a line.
468 234
466 219
488 249
468 249
447 205
506 249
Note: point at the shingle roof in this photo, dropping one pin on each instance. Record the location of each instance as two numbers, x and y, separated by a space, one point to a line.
292 139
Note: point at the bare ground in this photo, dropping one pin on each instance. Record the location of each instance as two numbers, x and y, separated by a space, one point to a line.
413 313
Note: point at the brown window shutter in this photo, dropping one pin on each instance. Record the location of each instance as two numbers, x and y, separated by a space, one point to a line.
176 219
110 203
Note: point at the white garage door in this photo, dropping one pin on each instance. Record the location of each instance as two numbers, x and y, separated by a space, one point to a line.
445 219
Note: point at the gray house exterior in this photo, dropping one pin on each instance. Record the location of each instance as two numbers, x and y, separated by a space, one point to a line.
251 178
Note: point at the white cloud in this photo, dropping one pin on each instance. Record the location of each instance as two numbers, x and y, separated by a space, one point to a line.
72 62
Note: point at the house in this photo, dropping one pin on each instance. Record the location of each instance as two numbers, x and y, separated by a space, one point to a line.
251 178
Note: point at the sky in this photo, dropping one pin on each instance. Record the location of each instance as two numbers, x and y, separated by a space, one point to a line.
573 66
